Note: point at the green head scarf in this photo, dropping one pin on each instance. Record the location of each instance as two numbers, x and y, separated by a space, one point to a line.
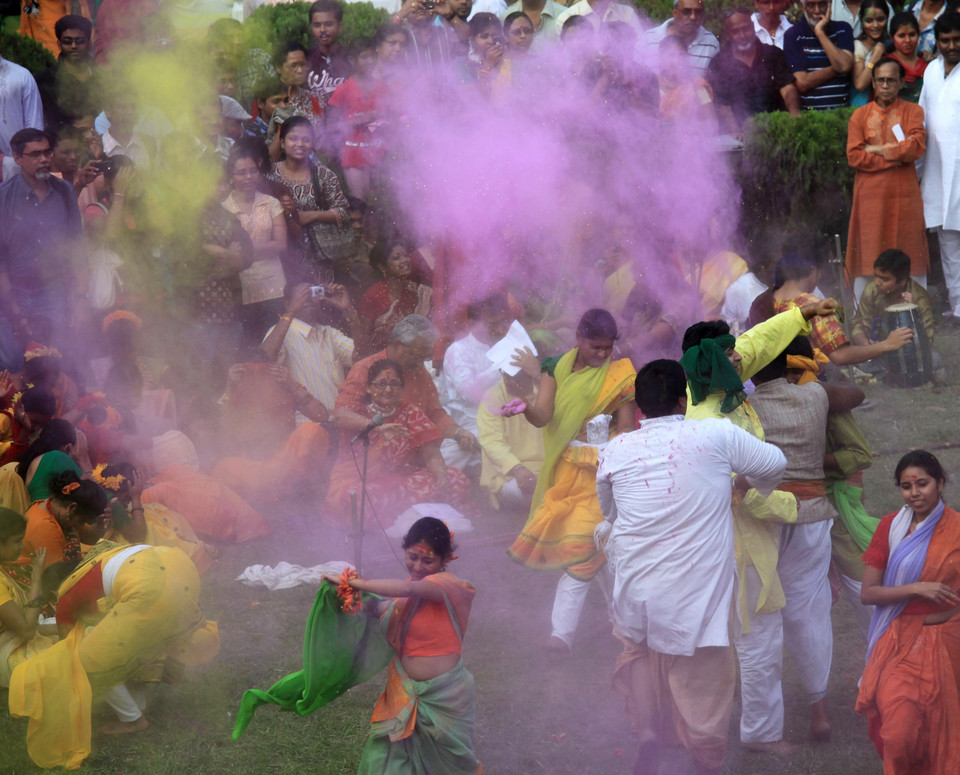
709 370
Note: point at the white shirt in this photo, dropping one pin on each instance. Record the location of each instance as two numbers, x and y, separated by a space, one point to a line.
20 106
940 181
467 375
318 357
666 488
704 47
764 37
614 12
496 7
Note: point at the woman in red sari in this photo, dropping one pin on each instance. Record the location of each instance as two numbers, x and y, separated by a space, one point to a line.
405 465
388 302
910 690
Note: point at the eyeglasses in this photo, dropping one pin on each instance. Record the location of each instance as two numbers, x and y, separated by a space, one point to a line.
691 12
396 385
816 6
74 41
46 154
886 81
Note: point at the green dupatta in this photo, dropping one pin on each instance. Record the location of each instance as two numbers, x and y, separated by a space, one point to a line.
339 652
575 402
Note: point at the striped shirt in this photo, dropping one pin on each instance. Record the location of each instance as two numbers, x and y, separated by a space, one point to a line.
704 47
805 54
318 357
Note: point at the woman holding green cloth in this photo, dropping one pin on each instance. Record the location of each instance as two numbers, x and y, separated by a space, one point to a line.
583 399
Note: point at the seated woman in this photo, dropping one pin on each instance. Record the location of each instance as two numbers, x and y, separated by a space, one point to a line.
389 301
22 417
584 397
272 455
152 524
424 720
58 523
151 612
20 601
58 448
405 465
910 690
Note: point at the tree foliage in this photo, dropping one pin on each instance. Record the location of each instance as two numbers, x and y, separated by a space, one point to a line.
273 24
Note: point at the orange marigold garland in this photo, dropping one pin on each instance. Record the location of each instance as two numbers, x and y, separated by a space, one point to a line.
121 314
112 483
350 602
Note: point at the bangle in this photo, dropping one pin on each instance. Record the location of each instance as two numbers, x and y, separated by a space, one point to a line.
287 317
868 65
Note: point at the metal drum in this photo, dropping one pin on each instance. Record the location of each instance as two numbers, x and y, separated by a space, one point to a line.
911 365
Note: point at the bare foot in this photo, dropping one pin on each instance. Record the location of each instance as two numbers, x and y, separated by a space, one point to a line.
124 727
819 723
648 757
556 646
777 748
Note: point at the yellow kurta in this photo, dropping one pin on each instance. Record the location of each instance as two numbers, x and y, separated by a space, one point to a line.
756 519
14 649
507 442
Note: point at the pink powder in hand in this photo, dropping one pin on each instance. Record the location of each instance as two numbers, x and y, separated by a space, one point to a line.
512 408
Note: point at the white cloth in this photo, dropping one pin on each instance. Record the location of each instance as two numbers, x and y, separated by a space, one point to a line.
940 181
287 576
950 259
128 706
760 653
764 37
20 106
807 629
704 47
738 299
467 375
851 589
454 520
666 488
112 566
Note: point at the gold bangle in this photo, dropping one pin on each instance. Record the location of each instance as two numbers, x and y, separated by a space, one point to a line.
288 317
868 65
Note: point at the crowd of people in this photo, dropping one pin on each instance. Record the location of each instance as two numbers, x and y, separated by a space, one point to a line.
211 309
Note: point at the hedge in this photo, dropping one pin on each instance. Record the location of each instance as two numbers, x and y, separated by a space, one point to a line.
26 52
273 24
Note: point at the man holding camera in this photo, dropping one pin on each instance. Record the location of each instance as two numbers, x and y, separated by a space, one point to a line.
433 31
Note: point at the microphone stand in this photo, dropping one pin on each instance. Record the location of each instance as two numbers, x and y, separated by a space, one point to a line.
358 516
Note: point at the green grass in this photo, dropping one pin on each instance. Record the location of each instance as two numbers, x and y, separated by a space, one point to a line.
535 714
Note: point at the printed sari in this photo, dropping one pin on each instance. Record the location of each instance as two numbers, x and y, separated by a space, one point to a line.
565 510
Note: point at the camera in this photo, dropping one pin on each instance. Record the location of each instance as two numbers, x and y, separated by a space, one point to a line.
498 41
429 5
318 291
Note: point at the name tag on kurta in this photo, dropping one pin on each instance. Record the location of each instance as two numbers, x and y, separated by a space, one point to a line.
898 133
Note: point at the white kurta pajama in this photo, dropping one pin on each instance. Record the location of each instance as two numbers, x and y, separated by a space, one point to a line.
940 177
666 489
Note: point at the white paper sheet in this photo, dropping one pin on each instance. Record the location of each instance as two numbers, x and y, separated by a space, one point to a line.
898 133
501 353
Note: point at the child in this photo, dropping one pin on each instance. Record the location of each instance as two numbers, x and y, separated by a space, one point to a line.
358 101
891 284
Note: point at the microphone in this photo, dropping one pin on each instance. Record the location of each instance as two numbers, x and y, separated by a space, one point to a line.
375 422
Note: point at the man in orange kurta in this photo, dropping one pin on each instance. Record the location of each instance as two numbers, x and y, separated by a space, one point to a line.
883 142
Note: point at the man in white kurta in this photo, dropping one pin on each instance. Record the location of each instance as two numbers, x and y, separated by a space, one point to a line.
666 490
940 179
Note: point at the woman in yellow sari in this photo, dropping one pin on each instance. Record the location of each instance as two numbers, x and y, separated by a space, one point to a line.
584 398
20 631
119 610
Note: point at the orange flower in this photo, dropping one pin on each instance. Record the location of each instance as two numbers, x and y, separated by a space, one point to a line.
350 601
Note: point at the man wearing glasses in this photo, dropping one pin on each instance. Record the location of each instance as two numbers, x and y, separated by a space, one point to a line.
69 88
687 25
38 219
820 54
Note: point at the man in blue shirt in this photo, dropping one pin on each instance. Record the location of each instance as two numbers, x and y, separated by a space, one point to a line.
39 222
820 54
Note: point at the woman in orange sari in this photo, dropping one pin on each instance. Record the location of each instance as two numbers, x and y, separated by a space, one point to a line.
584 397
424 720
910 690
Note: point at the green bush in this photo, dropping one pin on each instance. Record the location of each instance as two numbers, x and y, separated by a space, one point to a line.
795 180
273 24
26 52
